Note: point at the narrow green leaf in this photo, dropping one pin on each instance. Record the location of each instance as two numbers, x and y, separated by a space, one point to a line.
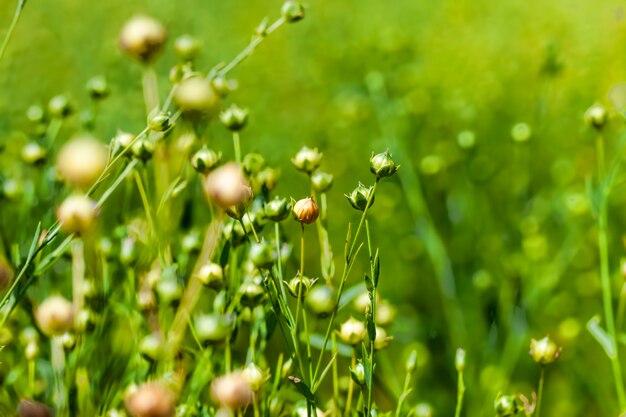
601 336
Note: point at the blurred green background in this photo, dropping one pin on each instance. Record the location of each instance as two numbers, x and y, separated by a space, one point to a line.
507 224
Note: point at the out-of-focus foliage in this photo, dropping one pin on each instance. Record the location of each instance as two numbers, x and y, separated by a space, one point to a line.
439 83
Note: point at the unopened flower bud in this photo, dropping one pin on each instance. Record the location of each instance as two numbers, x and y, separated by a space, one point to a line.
205 160
382 340
251 293
321 181
77 214
253 163
234 117
150 400
33 153
159 121
59 107
423 410
459 360
359 197
150 347
196 95
385 313
596 116
307 160
287 368
507 405
142 38
187 47
321 300
352 331
55 315
266 179
292 11
223 87
143 149
168 290
262 254
81 161
277 209
382 165
254 376
123 140
211 275
213 328
31 351
357 372
411 362
299 286
28 335
544 351
227 186
306 210
521 132
232 391
68 341
36 114
98 88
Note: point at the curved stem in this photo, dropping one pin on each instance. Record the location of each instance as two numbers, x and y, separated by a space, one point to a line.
16 18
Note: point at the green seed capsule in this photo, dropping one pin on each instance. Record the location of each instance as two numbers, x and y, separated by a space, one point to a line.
292 11
307 159
321 181
382 165
359 197
234 118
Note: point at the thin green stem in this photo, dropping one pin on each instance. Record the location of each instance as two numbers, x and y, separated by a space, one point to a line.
540 391
461 392
150 89
405 392
607 297
78 274
373 312
16 18
299 300
237 147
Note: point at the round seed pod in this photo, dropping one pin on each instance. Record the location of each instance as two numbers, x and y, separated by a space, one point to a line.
142 38
226 186
306 210
196 95
77 214
187 47
232 391
55 315
352 331
81 161
33 153
150 400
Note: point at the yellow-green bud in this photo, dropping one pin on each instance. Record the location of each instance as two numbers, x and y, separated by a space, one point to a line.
359 197
307 160
596 116
143 149
253 163
382 340
352 331
459 360
544 351
251 293
382 165
507 405
321 181
205 160
142 38
187 47
321 300
262 254
306 210
211 275
81 161
36 114
77 214
521 132
277 209
55 315
196 95
213 328
254 376
33 153
292 11
31 351
357 372
234 117
59 107
98 88
150 347
159 121
411 362
299 286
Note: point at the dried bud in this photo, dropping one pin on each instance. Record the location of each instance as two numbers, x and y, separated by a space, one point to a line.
459 360
307 160
359 197
596 116
357 372
77 214
352 331
321 181
382 165
98 88
205 160
55 315
292 11
211 275
142 38
299 286
234 118
150 400
187 47
227 186
277 209
81 161
59 107
521 132
262 254
196 95
253 163
254 376
30 408
507 405
213 328
33 153
159 121
306 210
232 391
544 351
321 300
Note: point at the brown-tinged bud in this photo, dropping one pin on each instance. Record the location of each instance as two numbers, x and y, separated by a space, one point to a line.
150 400
205 160
544 351
77 214
227 186
196 95
142 38
352 331
211 275
596 116
81 161
305 210
55 315
187 47
30 408
234 118
307 160
232 391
